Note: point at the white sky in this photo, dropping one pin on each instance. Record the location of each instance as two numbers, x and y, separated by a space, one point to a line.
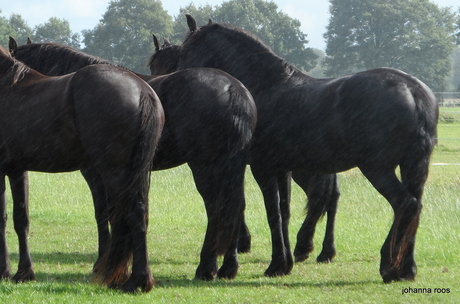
85 14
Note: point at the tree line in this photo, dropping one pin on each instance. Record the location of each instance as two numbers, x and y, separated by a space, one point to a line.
416 36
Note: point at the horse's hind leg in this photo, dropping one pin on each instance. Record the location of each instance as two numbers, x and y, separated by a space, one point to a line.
282 261
397 253
99 194
20 192
244 238
5 270
323 193
206 185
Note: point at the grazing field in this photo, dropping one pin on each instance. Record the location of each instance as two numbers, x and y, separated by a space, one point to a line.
63 243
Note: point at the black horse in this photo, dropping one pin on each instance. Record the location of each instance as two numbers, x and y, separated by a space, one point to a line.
321 189
210 118
101 117
375 120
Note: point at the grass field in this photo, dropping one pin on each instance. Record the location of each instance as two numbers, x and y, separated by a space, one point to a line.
63 243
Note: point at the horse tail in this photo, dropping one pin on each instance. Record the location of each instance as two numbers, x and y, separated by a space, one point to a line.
414 168
243 115
112 268
230 202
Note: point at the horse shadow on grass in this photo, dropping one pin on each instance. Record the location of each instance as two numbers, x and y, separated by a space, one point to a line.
83 275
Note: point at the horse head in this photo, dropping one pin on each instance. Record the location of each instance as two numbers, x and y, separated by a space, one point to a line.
165 58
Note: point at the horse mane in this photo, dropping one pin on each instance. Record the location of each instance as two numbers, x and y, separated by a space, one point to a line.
43 56
244 40
252 41
17 70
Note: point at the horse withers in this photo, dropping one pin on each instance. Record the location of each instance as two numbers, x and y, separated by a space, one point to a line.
100 117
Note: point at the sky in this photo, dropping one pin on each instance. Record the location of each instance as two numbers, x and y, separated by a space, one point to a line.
85 14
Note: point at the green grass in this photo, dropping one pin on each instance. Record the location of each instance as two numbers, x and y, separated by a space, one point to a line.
63 243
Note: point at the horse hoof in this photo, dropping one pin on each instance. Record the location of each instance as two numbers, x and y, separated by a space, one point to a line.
6 275
391 275
204 277
301 257
244 244
143 283
24 276
227 272
325 257
277 271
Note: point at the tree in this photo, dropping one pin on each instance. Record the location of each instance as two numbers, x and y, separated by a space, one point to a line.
15 27
279 31
456 70
457 28
415 36
5 28
201 14
20 28
124 35
58 31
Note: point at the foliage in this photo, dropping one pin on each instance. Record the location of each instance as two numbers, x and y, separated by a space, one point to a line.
457 28
415 36
20 28
124 35
15 27
54 30
201 14
279 31
58 31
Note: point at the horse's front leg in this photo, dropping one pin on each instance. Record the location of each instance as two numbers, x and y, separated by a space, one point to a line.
5 271
20 191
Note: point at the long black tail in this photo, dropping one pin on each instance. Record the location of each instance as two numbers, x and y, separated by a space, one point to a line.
414 168
230 203
112 268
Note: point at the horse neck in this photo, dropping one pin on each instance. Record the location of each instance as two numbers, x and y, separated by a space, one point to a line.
260 72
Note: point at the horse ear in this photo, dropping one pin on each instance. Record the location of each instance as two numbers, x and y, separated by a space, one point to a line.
29 41
13 46
191 22
166 42
156 43
209 21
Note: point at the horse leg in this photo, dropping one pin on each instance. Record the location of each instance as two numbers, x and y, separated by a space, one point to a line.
20 192
323 193
414 174
221 184
244 239
284 186
397 262
96 185
206 184
5 271
268 183
141 276
232 189
129 239
328 253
